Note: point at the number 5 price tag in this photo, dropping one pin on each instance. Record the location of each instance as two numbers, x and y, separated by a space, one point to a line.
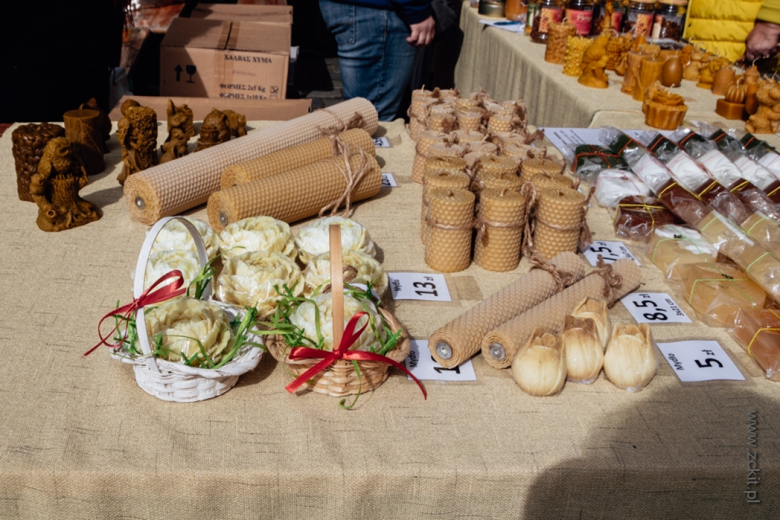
610 251
700 361
424 366
419 286
654 308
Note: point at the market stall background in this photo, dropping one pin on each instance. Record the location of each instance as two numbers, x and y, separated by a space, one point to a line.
79 439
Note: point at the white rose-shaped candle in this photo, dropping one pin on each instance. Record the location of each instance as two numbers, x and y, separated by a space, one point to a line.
164 262
313 238
368 269
304 318
175 237
250 280
256 234
185 325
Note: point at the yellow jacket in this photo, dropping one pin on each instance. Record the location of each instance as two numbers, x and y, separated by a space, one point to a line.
722 25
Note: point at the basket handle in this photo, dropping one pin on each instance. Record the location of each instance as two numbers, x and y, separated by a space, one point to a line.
336 283
140 275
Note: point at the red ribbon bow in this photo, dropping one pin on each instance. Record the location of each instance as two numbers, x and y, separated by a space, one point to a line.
148 297
342 352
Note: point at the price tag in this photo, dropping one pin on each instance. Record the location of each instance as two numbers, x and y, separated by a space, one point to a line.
388 181
700 361
654 308
422 364
419 286
381 142
610 251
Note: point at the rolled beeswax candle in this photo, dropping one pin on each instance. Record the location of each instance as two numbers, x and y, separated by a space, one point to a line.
559 217
500 345
439 179
460 339
448 248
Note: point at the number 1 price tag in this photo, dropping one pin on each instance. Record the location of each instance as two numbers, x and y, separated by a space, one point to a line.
421 363
419 286
654 308
381 142
700 361
388 181
610 251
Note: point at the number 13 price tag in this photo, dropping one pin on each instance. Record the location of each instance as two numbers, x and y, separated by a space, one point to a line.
419 286
654 308
610 251
700 361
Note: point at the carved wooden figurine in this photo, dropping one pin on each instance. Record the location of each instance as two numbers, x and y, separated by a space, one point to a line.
28 144
55 189
137 133
214 130
236 122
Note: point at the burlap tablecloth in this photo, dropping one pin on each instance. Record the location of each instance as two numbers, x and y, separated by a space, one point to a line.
79 439
510 66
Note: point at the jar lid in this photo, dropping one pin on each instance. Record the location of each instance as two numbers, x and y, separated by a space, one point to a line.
642 1
674 2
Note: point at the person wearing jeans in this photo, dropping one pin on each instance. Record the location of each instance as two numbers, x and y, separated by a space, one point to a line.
377 43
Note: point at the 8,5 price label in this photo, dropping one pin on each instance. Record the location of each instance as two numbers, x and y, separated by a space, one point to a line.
419 286
422 364
610 251
381 142
388 181
654 308
700 361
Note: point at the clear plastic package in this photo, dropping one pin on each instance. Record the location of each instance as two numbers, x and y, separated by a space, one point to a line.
758 332
588 160
618 142
614 185
718 291
672 247
765 231
637 217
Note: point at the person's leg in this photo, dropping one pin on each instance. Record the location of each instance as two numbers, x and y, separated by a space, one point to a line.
374 58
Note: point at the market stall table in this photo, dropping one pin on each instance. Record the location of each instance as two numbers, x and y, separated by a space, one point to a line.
79 438
510 66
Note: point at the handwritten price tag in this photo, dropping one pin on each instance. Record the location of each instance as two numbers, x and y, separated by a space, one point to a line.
424 366
654 308
388 181
610 251
419 286
381 142
700 361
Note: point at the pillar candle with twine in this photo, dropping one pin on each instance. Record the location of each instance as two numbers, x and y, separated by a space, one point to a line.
82 129
550 180
451 216
500 224
435 150
439 179
502 122
537 165
560 216
470 119
633 60
495 164
441 119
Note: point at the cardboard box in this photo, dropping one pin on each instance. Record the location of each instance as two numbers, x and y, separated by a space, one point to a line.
244 13
225 59
255 110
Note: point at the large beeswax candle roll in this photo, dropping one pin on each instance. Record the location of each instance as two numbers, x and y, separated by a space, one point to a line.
559 216
448 248
500 345
176 186
454 180
293 157
499 229
461 338
295 194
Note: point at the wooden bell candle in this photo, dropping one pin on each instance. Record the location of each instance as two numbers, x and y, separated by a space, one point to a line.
82 129
499 229
557 35
448 248
634 60
650 71
575 50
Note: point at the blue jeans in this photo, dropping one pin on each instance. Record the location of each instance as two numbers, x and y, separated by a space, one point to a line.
375 59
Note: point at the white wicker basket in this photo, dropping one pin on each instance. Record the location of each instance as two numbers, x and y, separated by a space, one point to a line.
174 381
